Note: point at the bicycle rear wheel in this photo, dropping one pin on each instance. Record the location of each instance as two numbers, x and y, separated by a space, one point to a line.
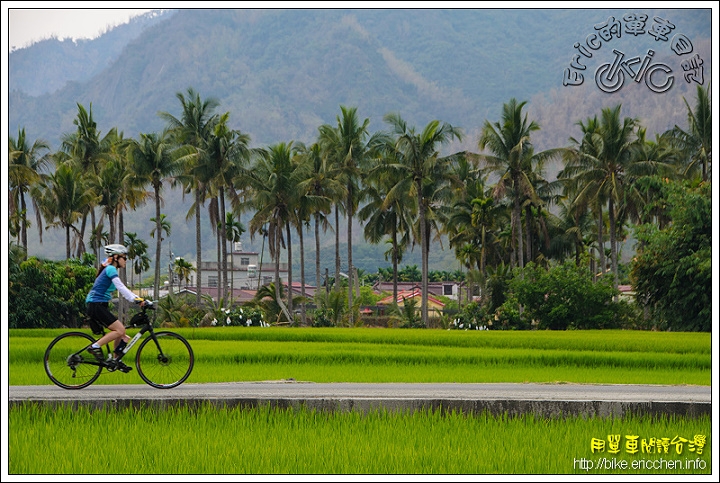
66 363
167 363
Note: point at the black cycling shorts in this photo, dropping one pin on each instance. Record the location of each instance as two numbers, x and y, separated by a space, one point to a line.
100 312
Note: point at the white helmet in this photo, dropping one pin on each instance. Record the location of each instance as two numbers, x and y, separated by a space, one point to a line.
115 249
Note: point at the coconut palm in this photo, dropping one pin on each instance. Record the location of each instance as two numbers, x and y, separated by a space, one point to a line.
137 250
270 190
154 160
696 140
87 151
324 188
511 156
421 172
233 231
606 170
388 213
348 145
193 129
26 166
62 197
225 150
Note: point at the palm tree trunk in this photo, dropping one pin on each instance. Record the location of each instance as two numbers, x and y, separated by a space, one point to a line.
423 256
601 244
350 266
289 255
613 243
337 248
278 296
395 262
67 242
223 237
198 248
517 224
302 275
23 226
317 251
158 242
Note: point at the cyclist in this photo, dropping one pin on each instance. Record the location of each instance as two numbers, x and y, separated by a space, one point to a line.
106 282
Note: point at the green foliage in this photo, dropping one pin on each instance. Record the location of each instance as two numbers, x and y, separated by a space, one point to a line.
561 297
244 316
473 316
47 294
323 317
672 271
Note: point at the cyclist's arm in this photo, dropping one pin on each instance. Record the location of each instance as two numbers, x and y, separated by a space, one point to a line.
124 291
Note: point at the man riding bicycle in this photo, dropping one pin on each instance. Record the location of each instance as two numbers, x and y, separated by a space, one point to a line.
106 282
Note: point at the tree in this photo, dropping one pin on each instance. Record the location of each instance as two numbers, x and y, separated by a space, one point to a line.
512 158
87 152
26 166
696 141
324 188
606 171
154 161
348 146
387 213
419 164
62 199
562 297
183 269
137 250
672 272
233 231
270 189
193 129
225 150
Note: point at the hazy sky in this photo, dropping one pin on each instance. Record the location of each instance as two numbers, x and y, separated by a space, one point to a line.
27 23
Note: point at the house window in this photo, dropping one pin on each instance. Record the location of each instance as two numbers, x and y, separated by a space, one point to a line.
212 281
447 289
244 261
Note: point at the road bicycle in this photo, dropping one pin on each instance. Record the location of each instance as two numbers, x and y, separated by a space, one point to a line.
163 360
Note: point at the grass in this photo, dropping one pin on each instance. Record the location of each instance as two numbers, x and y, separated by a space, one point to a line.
208 440
227 354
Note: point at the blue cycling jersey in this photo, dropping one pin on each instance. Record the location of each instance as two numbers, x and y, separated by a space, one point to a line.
103 287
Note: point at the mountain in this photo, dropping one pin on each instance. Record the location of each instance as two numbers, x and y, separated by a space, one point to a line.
281 73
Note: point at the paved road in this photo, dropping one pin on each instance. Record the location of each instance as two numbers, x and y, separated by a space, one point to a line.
544 399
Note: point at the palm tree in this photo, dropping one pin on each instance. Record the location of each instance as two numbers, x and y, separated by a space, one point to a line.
62 198
137 249
472 224
226 149
419 165
26 164
696 141
512 158
233 231
193 129
324 188
87 152
348 146
387 213
154 161
607 171
183 269
270 189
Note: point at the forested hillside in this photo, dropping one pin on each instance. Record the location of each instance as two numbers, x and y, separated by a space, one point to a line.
282 73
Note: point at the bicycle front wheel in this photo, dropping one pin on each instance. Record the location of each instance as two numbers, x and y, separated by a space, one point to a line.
165 361
66 361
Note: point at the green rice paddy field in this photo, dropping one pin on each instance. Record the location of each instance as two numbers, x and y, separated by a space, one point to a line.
208 440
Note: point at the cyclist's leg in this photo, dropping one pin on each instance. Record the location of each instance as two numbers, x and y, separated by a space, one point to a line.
116 333
102 314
